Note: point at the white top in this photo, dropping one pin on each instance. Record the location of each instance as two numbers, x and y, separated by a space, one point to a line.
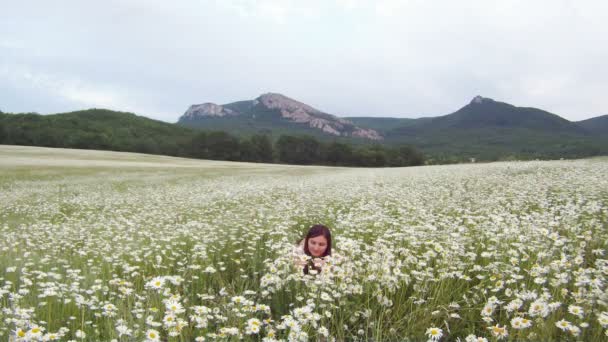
299 248
298 254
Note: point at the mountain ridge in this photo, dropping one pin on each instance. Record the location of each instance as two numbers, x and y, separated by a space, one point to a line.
483 129
274 107
479 112
595 125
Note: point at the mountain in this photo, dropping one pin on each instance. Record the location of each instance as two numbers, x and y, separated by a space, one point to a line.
271 113
597 125
483 129
480 113
487 129
484 112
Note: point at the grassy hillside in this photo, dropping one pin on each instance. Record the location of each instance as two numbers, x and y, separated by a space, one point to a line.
492 130
95 128
596 126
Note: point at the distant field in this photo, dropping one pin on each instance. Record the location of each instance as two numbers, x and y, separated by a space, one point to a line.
99 245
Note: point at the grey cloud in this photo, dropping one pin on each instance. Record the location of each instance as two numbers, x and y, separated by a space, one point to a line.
351 58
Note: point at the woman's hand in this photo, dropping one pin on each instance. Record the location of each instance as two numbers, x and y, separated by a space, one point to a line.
319 262
302 260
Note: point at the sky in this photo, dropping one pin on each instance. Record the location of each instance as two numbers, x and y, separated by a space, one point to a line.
386 58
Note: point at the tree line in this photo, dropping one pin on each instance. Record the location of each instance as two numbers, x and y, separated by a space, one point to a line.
300 150
118 132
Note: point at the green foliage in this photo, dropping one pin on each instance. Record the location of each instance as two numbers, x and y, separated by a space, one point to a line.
597 125
305 150
107 130
222 146
339 154
96 129
257 148
494 130
2 131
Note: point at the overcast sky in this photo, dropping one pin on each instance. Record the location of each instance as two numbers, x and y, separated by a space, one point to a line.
345 57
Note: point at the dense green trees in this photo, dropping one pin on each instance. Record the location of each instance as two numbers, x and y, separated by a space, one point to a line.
302 150
222 146
339 154
258 148
306 150
107 130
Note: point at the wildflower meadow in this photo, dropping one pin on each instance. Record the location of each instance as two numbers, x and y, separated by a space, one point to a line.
104 246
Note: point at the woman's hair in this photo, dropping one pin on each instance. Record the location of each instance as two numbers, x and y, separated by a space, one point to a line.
314 231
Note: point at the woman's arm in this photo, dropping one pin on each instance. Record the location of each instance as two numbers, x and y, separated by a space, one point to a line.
299 258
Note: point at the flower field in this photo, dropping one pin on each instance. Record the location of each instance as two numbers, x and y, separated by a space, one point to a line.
102 246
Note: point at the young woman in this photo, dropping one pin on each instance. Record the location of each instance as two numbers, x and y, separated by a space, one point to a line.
311 252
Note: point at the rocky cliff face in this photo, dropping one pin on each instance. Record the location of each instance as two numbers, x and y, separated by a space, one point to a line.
207 109
288 109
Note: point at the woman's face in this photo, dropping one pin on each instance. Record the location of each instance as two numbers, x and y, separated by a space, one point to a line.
317 245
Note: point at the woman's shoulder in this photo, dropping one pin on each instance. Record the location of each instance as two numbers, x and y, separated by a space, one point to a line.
298 248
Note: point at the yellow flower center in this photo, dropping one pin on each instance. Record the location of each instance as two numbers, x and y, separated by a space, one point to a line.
498 330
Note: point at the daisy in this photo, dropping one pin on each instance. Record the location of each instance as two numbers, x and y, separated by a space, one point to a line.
156 283
498 331
538 308
80 334
487 310
434 333
35 332
576 310
174 307
152 335
20 333
474 338
253 326
563 324
603 319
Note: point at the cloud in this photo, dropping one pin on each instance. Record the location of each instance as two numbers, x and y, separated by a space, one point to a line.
78 93
71 89
349 57
276 10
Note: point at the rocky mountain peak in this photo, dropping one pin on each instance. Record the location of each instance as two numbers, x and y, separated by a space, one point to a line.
286 109
282 102
207 109
480 99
